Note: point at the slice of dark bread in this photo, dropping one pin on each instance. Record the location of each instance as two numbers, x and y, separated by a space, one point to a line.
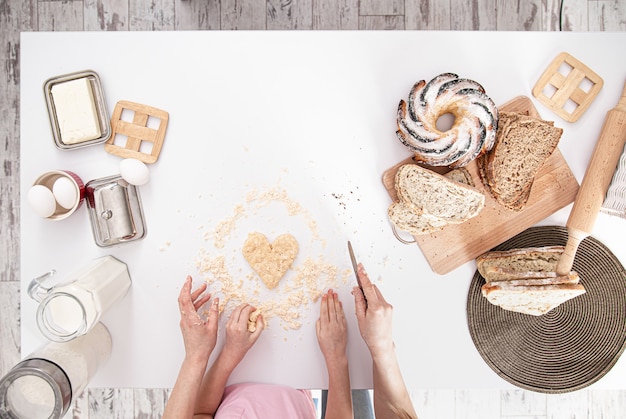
523 144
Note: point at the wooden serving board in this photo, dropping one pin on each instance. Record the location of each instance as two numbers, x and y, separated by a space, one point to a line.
554 188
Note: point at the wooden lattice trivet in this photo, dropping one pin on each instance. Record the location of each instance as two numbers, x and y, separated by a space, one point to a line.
137 131
568 87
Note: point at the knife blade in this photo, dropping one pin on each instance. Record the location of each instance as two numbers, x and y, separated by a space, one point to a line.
354 266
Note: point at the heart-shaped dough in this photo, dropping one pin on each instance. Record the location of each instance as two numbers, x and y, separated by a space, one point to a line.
270 261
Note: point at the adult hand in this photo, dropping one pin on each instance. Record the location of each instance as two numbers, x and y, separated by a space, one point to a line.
199 336
374 316
238 338
331 328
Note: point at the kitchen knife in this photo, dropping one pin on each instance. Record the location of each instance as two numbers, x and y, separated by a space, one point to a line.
356 272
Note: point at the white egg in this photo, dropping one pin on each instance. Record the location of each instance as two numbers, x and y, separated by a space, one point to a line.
65 192
41 200
134 172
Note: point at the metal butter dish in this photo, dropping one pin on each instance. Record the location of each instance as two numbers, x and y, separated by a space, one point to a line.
115 211
77 110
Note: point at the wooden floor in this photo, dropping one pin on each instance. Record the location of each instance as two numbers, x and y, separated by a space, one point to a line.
138 15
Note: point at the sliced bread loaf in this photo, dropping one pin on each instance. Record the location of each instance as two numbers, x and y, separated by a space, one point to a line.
532 262
525 280
523 144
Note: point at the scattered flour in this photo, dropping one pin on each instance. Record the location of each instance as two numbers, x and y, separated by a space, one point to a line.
234 283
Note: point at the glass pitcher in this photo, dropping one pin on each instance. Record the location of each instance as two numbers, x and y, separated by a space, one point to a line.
72 308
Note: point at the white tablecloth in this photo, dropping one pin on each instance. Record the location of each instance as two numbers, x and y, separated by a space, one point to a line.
312 113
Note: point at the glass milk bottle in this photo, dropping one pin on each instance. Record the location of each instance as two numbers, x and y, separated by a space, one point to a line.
47 381
72 308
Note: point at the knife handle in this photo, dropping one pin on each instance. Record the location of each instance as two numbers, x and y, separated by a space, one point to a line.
598 175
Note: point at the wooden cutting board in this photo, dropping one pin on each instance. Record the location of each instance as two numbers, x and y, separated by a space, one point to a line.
554 188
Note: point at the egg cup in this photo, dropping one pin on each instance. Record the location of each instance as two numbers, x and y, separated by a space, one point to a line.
47 179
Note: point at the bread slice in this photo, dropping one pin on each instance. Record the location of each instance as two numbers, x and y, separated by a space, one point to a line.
526 263
461 175
429 201
404 217
534 300
523 144
549 278
430 193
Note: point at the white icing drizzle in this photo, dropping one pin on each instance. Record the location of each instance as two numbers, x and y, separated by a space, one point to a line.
474 128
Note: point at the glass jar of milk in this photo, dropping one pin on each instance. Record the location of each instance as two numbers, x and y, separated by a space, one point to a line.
72 308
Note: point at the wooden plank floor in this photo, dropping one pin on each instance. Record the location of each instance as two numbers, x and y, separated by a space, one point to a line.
135 15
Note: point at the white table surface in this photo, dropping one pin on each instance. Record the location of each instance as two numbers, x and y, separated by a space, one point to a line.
313 112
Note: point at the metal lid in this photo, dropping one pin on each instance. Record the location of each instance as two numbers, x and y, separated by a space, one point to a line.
35 388
115 211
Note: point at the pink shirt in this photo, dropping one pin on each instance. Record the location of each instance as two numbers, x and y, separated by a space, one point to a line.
253 400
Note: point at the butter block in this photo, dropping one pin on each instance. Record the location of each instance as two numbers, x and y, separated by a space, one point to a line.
76 111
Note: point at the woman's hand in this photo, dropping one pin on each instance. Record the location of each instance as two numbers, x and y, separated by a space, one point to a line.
391 398
331 328
238 338
199 336
374 316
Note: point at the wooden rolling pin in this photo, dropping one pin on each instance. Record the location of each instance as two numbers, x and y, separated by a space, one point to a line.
595 183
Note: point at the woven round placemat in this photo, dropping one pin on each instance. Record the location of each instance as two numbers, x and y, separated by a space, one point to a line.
571 346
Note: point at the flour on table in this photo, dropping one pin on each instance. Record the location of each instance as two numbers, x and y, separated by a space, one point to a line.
231 279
